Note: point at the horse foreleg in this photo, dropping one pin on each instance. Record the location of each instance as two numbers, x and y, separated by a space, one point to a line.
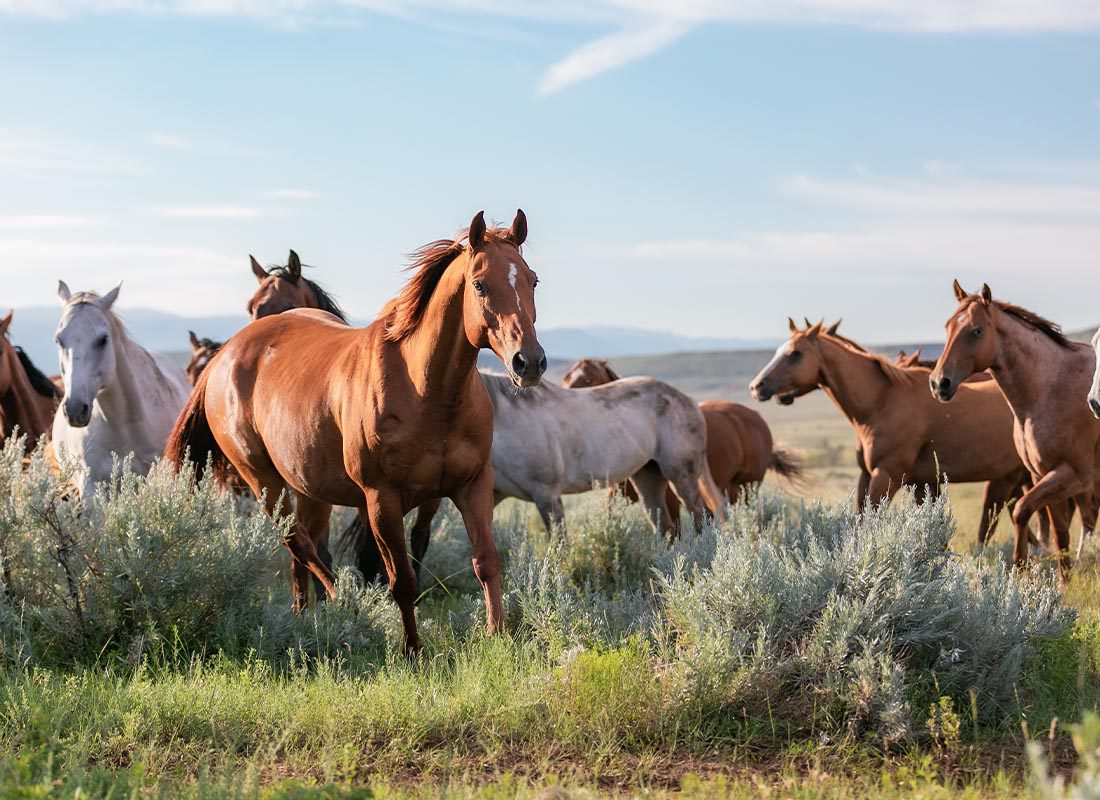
862 488
882 487
995 497
652 490
552 512
1057 486
387 520
1088 503
422 532
475 504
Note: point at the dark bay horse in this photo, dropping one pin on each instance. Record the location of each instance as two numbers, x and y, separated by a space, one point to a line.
28 399
202 350
740 449
904 438
1043 376
382 418
283 288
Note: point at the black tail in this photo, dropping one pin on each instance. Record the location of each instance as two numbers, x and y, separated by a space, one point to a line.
788 465
191 438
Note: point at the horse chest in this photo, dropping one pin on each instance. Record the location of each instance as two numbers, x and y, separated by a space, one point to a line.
419 451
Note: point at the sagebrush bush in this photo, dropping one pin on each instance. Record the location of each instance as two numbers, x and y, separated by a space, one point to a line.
156 563
853 618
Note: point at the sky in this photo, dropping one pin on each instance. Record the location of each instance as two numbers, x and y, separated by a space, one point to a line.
696 166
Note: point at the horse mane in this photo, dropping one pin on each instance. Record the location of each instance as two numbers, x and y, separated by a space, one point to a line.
38 380
210 344
404 313
891 371
325 301
1051 330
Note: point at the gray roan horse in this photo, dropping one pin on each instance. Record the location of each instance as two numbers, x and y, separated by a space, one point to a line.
549 441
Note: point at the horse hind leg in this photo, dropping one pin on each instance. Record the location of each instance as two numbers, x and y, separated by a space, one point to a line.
385 517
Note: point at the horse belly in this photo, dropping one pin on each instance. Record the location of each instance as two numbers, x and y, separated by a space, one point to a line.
608 456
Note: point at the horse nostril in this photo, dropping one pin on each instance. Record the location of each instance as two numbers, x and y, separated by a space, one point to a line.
519 364
1094 404
542 364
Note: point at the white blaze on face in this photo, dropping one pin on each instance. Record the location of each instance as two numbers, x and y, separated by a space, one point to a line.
781 353
1095 393
512 272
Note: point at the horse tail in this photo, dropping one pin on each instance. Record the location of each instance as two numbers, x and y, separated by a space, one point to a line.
713 498
191 438
788 465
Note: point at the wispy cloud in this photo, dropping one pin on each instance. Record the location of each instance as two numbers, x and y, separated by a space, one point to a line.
950 224
638 28
27 152
210 212
15 222
172 142
610 52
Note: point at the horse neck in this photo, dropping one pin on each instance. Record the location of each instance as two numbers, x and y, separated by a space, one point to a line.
20 406
853 381
122 398
1027 366
440 357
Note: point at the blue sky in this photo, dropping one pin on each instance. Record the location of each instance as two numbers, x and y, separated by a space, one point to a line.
703 167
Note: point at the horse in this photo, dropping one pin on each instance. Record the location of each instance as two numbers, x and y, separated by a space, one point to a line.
381 418
1036 368
119 397
283 288
904 438
1094 394
202 350
28 398
740 449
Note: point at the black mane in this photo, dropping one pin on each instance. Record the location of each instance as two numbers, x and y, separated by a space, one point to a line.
325 301
39 382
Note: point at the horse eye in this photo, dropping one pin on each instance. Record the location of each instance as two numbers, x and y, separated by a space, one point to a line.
795 355
101 342
977 332
479 287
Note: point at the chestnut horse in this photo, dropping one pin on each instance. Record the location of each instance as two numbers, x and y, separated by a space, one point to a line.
904 438
381 418
740 449
202 350
28 399
1043 376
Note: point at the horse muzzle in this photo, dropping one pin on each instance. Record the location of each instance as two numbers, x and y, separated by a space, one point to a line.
943 388
78 413
528 368
761 391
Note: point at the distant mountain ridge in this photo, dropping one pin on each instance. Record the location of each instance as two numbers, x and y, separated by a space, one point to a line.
33 328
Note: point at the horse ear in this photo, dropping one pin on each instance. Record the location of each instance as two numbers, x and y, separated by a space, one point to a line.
294 265
518 232
5 323
63 293
960 292
477 230
257 270
108 299
815 329
834 327
808 323
987 293
195 343
791 325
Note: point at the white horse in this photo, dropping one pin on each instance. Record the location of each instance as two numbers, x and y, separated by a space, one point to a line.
549 441
119 397
1094 395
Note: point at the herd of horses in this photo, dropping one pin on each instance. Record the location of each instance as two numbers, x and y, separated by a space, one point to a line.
306 412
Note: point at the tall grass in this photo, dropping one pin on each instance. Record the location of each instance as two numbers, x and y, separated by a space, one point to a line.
156 630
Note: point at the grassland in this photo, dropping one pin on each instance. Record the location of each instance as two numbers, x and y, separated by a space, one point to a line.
611 681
